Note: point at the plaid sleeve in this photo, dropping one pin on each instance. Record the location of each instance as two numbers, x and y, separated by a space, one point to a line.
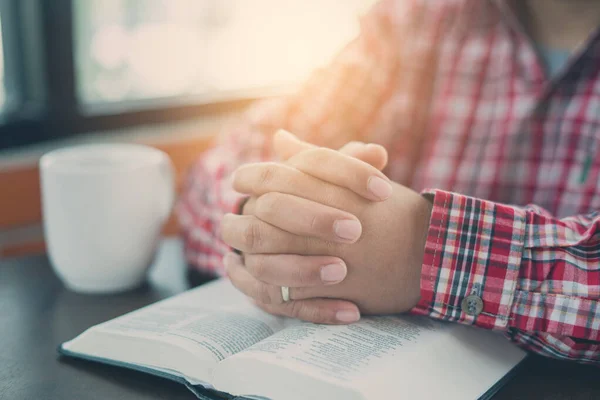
336 105
515 269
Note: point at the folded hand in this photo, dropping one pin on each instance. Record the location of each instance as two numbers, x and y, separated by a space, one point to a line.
331 227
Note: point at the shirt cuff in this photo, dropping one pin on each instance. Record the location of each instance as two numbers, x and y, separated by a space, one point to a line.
472 260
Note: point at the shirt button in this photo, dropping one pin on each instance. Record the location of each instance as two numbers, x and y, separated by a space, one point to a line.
472 305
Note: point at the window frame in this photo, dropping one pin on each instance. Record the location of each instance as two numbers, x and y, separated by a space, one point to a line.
41 90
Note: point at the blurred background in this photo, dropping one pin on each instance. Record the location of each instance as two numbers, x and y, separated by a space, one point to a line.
167 73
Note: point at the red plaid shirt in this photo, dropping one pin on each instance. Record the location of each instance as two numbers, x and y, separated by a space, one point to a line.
456 93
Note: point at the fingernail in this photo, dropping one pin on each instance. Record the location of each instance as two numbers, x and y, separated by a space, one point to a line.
347 229
347 316
333 273
379 187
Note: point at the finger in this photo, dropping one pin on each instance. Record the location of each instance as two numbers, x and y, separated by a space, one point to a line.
260 291
294 270
341 170
249 206
250 235
372 154
318 311
307 218
247 284
257 179
287 145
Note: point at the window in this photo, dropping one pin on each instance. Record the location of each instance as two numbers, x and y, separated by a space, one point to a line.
86 65
2 86
132 50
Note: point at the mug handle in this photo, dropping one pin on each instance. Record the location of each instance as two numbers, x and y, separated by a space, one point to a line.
168 191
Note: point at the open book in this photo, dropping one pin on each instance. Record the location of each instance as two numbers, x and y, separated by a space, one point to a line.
220 346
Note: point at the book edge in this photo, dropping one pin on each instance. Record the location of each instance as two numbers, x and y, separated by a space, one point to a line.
209 394
199 391
491 392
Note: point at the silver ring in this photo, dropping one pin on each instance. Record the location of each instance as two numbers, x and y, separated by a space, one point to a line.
285 294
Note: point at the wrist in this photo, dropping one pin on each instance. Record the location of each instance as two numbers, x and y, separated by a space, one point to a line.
423 220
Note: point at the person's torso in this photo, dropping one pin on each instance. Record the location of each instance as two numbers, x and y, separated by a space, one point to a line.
499 129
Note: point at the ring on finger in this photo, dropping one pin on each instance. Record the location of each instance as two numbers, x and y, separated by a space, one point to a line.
285 293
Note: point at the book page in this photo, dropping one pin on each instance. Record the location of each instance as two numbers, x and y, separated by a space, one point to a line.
222 328
378 357
345 353
203 329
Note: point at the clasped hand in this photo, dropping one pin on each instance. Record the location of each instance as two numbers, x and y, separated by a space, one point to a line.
332 227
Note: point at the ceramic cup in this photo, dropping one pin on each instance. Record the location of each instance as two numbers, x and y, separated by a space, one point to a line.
103 208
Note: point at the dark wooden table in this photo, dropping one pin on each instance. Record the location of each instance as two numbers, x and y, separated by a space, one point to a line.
37 314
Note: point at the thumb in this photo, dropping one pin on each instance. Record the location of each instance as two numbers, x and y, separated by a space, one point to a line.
372 154
287 145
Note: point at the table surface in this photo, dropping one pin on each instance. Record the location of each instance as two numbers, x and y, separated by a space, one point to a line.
37 314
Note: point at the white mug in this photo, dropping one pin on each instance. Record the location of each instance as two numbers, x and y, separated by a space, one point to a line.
104 207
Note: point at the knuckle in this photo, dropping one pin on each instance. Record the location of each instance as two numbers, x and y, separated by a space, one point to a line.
306 245
319 155
330 195
256 266
317 314
312 313
250 261
226 229
261 294
334 196
297 309
267 175
268 204
249 206
308 158
264 295
252 236
315 223
316 246
302 276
